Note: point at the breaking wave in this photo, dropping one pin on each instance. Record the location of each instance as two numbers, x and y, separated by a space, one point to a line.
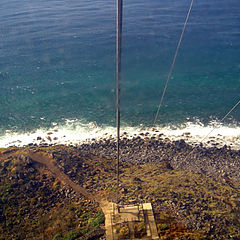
75 132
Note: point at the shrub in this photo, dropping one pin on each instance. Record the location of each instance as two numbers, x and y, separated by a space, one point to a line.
123 232
139 230
85 215
95 222
58 236
164 226
71 236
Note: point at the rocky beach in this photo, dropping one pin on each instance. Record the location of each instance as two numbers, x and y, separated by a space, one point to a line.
194 189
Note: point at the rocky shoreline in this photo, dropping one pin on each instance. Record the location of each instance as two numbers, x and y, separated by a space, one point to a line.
192 134
211 161
212 158
194 186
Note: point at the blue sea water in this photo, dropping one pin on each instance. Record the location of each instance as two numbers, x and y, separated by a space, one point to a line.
57 62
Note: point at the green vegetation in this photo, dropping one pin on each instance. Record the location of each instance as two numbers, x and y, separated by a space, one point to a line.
85 215
71 236
57 236
97 220
164 226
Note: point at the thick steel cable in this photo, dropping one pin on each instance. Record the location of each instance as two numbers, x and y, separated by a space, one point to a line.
118 80
173 62
226 115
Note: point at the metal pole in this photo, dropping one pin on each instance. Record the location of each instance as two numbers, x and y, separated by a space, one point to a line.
118 80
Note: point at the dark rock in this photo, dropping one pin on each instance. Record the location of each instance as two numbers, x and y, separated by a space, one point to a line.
26 160
49 138
168 166
124 190
136 179
7 151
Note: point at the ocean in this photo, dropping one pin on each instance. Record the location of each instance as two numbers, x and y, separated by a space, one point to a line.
57 69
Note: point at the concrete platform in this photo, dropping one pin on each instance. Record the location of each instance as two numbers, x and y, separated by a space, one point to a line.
130 222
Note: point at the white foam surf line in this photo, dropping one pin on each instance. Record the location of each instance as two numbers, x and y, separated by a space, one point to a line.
71 133
74 132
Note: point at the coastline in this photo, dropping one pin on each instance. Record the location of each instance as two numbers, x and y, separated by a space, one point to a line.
182 152
74 132
181 148
200 190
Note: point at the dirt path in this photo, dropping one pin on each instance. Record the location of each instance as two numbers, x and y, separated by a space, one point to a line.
51 164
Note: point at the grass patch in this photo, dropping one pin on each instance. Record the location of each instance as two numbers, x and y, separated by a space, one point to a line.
71 235
58 236
97 220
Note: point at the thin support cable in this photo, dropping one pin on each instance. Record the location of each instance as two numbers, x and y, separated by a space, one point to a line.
226 115
118 81
173 62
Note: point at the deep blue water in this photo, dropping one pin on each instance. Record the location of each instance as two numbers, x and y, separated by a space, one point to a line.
57 61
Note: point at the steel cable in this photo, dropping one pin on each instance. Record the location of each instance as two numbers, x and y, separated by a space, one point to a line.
173 62
226 115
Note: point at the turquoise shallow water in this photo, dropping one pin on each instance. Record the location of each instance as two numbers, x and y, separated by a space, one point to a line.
57 62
